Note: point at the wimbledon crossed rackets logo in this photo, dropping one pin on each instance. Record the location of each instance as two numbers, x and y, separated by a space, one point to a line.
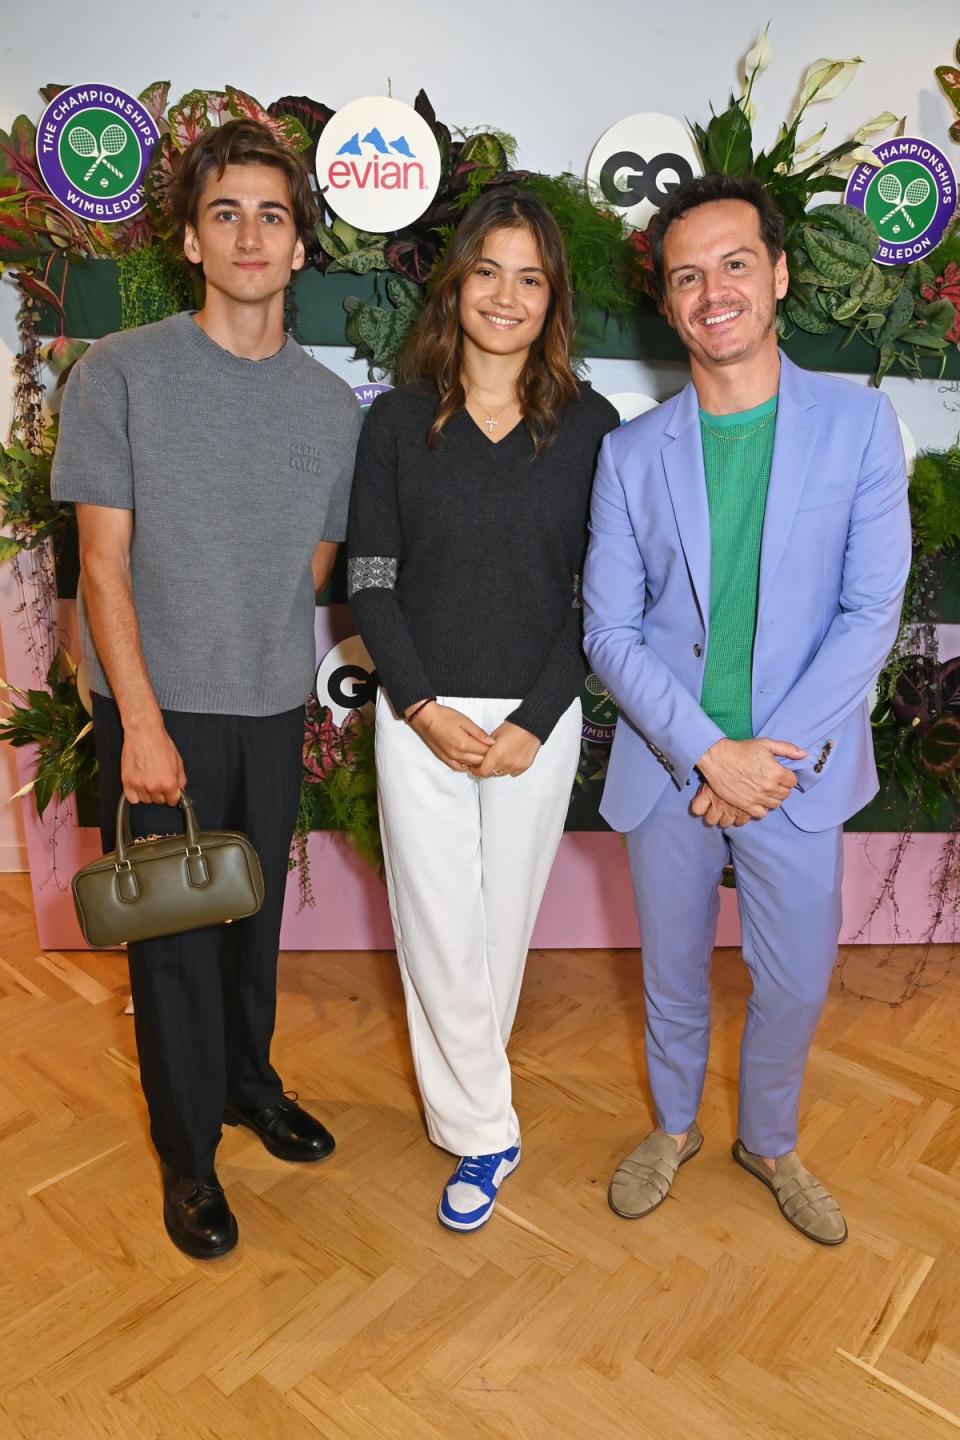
84 143
99 153
94 143
599 712
892 192
910 197
901 201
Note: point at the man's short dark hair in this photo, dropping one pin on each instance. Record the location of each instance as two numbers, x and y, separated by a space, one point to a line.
240 142
703 189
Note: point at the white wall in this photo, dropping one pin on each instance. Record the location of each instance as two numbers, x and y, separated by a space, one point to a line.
555 73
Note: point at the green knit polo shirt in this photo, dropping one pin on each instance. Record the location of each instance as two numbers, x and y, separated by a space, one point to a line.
737 451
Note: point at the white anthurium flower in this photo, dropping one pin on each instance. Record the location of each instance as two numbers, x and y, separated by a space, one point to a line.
748 108
80 734
806 145
758 56
883 121
826 79
863 155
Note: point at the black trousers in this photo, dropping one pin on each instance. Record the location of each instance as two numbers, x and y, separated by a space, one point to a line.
205 1002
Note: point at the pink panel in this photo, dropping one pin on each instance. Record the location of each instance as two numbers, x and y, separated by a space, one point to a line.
587 905
55 845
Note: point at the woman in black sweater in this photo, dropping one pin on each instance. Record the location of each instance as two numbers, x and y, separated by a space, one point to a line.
467 531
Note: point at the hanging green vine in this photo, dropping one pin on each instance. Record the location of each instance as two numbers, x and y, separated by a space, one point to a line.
352 796
154 283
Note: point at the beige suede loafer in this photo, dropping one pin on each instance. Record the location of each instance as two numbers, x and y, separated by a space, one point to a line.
643 1180
802 1199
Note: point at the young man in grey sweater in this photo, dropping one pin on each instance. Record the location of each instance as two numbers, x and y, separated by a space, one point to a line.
210 459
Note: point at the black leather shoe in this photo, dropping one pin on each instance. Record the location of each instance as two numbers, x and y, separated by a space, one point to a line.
286 1130
196 1215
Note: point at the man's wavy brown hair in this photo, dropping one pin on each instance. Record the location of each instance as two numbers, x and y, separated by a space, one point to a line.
435 349
239 142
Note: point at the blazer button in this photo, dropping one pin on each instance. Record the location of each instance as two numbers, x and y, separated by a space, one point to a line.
818 767
697 651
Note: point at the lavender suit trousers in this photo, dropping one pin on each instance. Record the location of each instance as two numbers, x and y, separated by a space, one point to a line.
788 891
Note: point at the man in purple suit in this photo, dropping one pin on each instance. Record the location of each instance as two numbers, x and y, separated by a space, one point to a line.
750 543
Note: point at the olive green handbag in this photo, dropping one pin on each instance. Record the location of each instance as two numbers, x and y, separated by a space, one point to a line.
165 884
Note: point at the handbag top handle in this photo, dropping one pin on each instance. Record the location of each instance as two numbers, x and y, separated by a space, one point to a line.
125 840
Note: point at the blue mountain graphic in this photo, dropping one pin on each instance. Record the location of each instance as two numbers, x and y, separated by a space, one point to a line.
402 145
374 138
351 146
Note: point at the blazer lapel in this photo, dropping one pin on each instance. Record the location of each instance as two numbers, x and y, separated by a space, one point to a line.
793 449
682 457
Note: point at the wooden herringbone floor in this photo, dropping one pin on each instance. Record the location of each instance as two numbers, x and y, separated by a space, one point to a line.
348 1313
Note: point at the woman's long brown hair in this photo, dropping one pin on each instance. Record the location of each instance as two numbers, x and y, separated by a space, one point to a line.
435 349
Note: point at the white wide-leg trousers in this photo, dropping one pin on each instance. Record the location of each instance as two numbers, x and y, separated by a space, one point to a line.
467 862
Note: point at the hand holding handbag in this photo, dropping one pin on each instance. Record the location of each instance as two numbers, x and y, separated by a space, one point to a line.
166 884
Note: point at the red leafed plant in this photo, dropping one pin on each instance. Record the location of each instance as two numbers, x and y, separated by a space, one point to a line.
338 791
642 271
948 77
947 287
325 743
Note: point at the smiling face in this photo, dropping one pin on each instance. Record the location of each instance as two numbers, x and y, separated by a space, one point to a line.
505 298
244 234
720 285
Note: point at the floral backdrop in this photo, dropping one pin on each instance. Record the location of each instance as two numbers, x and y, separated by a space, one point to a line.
908 316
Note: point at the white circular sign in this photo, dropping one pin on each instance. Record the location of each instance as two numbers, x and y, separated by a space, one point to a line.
638 162
630 403
378 164
909 446
346 679
83 687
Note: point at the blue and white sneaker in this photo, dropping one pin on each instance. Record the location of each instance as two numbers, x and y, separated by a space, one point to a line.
471 1192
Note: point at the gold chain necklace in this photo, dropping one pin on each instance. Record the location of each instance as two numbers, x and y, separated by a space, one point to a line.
735 439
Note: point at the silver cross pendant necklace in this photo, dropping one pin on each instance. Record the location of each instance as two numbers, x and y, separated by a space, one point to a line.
492 420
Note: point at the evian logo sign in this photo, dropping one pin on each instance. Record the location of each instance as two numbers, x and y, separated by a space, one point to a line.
378 164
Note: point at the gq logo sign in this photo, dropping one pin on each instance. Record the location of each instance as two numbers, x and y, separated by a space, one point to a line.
378 165
637 164
346 679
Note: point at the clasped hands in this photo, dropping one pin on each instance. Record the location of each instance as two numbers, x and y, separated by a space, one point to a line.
462 745
743 780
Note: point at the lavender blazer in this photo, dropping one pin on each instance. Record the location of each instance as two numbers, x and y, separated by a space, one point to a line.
833 565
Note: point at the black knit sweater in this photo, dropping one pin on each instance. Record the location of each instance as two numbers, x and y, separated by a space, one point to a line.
463 559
